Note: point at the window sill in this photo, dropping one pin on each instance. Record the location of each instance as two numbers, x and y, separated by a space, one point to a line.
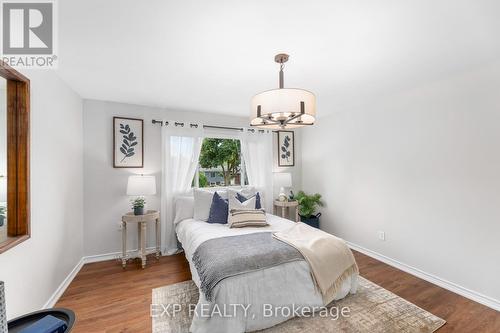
12 241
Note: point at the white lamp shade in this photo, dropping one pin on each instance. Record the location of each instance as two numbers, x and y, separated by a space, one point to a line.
141 185
280 105
283 179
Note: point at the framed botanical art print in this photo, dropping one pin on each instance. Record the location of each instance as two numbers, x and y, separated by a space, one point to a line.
286 149
128 142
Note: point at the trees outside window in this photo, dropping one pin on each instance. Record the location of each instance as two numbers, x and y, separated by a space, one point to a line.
220 162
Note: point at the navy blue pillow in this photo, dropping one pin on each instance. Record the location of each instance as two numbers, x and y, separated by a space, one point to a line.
242 198
218 210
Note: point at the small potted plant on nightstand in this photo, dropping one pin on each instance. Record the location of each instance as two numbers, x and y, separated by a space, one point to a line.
138 205
307 207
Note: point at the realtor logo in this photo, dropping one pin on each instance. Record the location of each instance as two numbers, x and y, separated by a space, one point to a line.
28 34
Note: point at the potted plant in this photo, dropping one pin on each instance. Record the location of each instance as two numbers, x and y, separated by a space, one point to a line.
138 206
307 207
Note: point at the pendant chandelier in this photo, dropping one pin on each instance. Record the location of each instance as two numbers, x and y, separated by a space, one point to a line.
284 107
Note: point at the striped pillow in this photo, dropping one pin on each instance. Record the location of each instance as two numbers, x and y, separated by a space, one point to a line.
239 218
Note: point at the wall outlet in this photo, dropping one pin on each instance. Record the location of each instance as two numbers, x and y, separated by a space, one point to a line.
381 235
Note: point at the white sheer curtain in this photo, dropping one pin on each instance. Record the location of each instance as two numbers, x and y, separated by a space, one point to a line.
181 148
256 148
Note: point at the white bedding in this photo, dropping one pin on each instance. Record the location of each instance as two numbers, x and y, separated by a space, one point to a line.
285 285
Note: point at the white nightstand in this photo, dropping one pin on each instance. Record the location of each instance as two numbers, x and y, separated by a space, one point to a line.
142 221
285 208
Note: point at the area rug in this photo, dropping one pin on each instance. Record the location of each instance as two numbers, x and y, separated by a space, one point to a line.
372 309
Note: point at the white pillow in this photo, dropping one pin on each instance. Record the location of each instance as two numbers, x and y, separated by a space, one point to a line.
184 208
234 203
247 192
231 195
244 191
220 190
202 203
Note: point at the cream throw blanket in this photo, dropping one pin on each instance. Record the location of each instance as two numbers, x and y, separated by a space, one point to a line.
329 257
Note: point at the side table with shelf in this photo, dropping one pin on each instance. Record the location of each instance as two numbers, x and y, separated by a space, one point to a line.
142 221
284 207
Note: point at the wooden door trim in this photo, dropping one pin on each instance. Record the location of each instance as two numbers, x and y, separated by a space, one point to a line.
18 157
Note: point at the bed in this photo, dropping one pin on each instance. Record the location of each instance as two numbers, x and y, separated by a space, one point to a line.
287 285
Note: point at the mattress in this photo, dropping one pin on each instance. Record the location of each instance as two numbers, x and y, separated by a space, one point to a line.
254 300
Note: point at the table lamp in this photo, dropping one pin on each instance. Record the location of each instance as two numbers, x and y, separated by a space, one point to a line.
283 180
140 186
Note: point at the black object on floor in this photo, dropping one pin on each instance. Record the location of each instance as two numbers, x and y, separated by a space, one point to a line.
20 323
312 220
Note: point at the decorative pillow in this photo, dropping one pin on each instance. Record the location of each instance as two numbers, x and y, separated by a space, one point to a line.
184 208
239 218
220 190
242 198
247 191
202 204
234 203
218 210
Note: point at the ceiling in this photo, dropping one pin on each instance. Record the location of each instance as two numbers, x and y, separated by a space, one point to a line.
213 56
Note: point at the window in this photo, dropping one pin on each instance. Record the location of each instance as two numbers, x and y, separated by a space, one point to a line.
220 163
14 158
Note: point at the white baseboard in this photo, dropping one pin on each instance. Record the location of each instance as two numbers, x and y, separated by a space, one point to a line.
85 260
470 294
113 255
62 287
475 296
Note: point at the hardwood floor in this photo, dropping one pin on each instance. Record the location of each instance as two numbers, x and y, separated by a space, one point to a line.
460 313
107 298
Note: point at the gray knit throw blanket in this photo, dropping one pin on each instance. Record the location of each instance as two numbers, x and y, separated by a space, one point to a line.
220 258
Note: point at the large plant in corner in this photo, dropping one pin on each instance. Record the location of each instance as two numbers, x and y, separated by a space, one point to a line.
308 205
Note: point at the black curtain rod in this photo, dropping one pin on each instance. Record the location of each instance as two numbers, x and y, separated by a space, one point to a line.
224 127
241 129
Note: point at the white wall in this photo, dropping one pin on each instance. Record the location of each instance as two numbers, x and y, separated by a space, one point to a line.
33 270
295 171
104 191
424 167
